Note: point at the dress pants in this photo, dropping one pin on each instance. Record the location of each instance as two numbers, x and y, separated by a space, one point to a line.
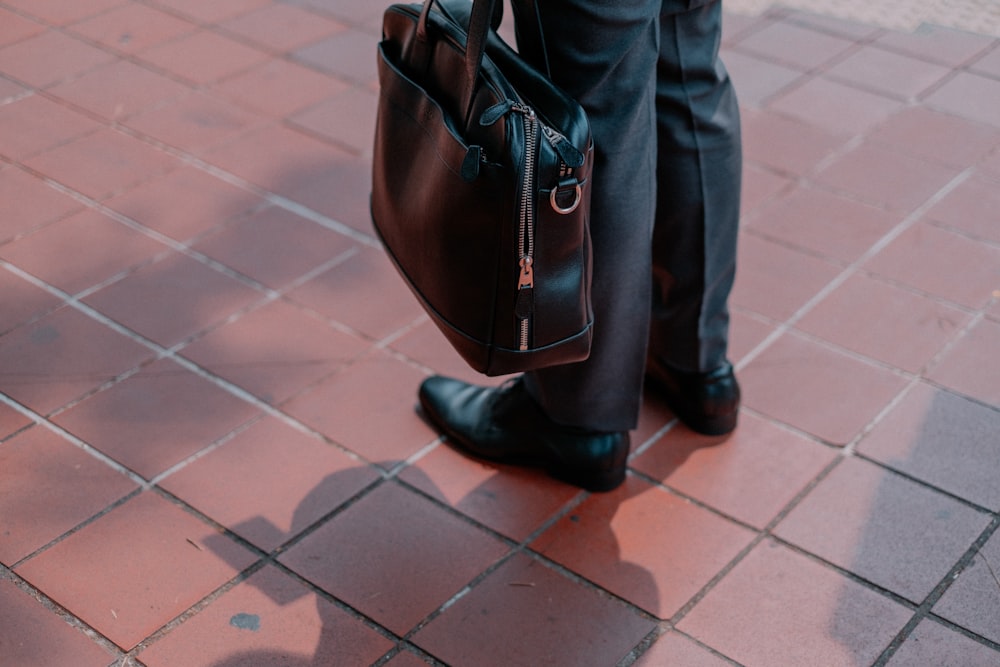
665 194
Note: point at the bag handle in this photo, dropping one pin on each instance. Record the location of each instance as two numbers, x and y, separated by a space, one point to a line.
475 47
484 15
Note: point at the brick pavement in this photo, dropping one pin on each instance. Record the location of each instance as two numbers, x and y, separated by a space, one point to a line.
209 453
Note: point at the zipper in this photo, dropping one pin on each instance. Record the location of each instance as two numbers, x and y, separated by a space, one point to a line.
524 305
570 157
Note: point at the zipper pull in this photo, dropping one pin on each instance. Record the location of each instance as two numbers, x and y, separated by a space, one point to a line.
525 303
470 165
564 147
527 277
496 112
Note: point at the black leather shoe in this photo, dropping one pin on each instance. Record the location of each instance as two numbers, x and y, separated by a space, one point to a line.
707 403
505 425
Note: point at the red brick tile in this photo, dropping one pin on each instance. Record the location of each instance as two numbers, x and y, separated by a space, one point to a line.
132 27
786 144
406 659
839 109
50 57
136 568
193 123
757 80
9 91
283 28
888 73
207 202
527 613
103 163
61 357
675 649
337 54
338 187
794 46
819 390
405 555
885 177
937 44
347 119
829 23
511 500
278 88
774 281
26 202
991 164
933 644
32 635
352 11
14 27
270 619
970 96
383 390
823 223
751 476
745 334
61 12
118 90
426 345
736 24
203 57
866 315
156 418
780 608
883 527
972 366
173 299
11 421
971 207
941 263
608 540
973 601
933 135
275 351
344 293
270 482
32 464
80 251
988 64
211 12
760 186
291 155
274 246
33 124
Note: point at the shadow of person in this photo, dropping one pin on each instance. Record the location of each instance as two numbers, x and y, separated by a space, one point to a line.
261 607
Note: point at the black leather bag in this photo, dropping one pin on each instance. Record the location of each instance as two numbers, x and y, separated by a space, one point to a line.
481 188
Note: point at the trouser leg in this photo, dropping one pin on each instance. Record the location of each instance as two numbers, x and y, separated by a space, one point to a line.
699 164
604 55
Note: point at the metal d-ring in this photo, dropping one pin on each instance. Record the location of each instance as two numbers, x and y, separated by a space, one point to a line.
578 194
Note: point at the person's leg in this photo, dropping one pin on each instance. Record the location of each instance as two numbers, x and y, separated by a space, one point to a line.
604 55
699 166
